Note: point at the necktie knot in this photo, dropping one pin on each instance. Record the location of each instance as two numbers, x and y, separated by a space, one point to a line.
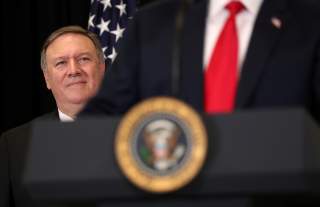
234 7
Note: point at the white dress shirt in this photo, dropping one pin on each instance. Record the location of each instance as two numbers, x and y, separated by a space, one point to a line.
64 117
216 18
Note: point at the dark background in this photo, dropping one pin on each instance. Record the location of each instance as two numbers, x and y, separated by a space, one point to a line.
25 25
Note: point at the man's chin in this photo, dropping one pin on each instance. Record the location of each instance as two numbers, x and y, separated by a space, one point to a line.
78 99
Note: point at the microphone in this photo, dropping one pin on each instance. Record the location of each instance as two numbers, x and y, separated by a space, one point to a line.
176 51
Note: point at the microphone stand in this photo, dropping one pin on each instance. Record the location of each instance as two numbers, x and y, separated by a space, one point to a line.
176 51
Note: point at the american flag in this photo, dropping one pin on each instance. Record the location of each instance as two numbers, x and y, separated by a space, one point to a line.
108 19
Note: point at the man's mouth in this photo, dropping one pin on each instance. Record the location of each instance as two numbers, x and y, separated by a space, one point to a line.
76 83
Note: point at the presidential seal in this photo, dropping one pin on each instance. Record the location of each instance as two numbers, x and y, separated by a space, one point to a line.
161 144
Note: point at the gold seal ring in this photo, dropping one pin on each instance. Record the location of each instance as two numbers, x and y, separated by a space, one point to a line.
161 144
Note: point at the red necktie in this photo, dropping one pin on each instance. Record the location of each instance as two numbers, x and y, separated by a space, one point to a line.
221 76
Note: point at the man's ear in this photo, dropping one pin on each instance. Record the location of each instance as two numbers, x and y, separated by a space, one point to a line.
47 79
102 67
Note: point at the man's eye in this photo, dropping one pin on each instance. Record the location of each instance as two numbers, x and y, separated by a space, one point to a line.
60 63
84 59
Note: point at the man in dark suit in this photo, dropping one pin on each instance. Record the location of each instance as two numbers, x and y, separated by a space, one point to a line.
279 65
73 65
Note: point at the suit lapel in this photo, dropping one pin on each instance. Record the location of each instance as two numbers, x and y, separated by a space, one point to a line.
51 115
263 40
192 55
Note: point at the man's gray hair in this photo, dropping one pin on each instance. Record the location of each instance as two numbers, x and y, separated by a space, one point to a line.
70 30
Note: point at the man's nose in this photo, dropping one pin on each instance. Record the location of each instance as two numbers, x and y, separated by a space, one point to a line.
74 68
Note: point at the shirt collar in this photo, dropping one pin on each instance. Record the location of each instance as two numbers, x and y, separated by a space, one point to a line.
217 6
64 117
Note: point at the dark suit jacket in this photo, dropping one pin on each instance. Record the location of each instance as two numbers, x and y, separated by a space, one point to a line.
281 68
13 150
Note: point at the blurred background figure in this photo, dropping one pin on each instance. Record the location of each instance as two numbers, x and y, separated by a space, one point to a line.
219 56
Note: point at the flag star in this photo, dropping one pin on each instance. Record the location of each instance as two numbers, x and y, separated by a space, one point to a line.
122 8
118 32
113 55
91 18
104 52
106 4
103 26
